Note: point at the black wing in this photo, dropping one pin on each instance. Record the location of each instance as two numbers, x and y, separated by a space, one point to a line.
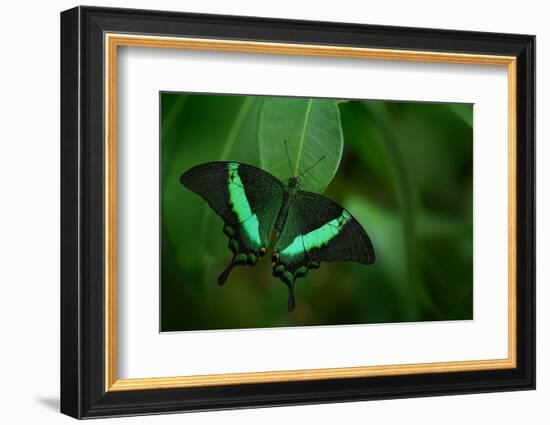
247 199
316 230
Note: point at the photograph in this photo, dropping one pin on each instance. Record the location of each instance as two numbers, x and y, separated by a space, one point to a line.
290 211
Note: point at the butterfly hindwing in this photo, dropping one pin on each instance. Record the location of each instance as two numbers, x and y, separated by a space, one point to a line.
247 199
316 230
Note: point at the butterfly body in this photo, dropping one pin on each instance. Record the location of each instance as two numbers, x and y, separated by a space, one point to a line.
259 211
289 194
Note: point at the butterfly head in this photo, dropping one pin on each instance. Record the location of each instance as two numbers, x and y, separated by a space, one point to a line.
293 182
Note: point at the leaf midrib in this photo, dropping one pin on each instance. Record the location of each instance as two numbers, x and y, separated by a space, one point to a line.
302 137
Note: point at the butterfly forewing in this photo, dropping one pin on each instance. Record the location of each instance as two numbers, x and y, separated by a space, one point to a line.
246 198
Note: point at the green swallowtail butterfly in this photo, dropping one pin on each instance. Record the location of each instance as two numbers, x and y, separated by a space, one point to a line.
257 208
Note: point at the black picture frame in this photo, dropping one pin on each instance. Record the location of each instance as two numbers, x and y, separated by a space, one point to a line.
83 392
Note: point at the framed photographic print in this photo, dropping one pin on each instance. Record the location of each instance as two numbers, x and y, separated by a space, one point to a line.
262 212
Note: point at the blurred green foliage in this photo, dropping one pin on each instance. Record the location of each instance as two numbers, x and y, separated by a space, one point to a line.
406 176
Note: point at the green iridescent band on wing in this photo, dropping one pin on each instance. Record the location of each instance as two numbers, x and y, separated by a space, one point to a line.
316 238
241 207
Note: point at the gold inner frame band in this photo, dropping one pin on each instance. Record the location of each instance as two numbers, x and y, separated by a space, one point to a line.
113 41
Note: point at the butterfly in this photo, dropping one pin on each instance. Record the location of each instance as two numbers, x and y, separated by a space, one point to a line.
258 209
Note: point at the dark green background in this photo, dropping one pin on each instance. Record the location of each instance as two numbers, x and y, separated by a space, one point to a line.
405 174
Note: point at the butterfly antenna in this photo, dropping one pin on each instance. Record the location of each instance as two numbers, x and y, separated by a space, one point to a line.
310 168
288 156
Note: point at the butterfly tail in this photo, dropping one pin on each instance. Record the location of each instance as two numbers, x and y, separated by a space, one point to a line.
291 300
225 274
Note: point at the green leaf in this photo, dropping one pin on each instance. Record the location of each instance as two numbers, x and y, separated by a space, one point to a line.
312 129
